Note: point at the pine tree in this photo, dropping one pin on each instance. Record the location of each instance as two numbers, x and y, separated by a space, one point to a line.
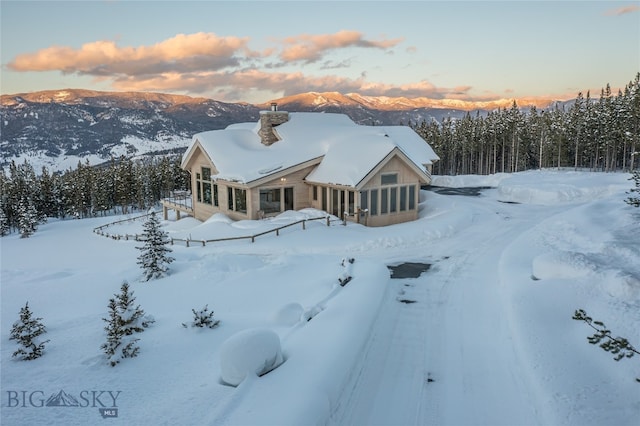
5 226
124 321
26 331
203 318
154 258
27 218
632 200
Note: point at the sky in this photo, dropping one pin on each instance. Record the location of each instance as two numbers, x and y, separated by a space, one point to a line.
257 51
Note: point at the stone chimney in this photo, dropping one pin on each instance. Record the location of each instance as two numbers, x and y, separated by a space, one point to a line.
269 120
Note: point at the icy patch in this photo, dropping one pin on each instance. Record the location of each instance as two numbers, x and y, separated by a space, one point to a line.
254 351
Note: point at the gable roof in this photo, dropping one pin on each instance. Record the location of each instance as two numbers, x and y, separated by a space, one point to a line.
348 151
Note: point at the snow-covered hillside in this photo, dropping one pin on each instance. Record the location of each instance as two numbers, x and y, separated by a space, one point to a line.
484 336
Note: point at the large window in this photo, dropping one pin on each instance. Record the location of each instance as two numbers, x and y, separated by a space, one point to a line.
270 200
374 202
364 200
351 206
403 198
237 199
384 201
241 200
204 187
412 197
393 199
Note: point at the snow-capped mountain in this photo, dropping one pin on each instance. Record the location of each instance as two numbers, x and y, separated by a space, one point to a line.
58 128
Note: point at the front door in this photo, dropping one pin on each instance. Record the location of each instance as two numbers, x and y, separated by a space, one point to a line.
288 199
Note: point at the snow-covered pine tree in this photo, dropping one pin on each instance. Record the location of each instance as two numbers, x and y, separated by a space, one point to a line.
27 218
203 318
124 321
5 227
634 201
26 331
153 257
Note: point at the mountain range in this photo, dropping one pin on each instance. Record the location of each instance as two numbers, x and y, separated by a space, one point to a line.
58 128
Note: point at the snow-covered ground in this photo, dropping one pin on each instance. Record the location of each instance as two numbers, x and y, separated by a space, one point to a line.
485 336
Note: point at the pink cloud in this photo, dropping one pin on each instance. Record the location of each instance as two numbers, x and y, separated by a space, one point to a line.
311 48
622 10
184 53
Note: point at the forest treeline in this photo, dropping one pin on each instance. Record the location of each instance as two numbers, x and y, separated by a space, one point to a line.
596 134
27 198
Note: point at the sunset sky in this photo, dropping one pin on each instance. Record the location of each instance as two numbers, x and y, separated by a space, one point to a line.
255 51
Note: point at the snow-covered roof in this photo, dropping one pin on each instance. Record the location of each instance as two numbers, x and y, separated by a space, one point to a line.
346 151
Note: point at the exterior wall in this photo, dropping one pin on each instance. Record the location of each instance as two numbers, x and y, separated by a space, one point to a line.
406 178
301 191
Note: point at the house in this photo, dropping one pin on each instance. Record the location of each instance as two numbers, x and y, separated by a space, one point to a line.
290 161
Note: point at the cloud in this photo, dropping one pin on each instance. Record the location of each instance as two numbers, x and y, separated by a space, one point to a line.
622 10
311 48
241 84
181 53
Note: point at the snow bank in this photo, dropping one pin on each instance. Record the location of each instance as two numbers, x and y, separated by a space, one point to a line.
254 351
563 265
326 349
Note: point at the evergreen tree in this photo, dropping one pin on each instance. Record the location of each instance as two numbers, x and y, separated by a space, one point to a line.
153 257
5 227
633 200
27 218
124 321
26 331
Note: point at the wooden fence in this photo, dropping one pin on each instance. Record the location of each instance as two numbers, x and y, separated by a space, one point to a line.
188 241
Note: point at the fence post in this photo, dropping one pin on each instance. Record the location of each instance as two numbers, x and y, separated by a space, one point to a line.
328 220
304 221
187 241
203 243
277 232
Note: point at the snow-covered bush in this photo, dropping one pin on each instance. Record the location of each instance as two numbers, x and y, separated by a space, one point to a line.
153 257
125 320
250 352
203 318
26 331
346 276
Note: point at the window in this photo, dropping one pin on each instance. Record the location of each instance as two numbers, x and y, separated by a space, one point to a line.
412 197
384 201
393 199
315 193
403 198
335 204
203 186
230 197
374 202
364 200
351 208
241 200
215 195
324 198
389 179
270 200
